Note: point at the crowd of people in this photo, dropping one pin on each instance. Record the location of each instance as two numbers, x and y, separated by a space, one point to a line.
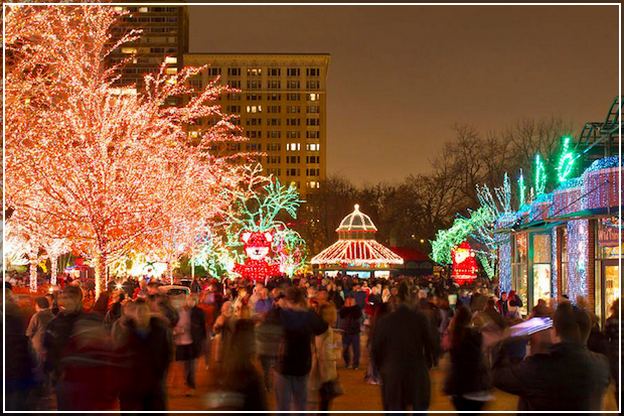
289 337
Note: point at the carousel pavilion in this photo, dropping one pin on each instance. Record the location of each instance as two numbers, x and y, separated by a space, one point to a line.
357 252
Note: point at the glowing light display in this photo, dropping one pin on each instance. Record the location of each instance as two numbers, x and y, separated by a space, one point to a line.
464 264
521 189
566 160
256 267
504 265
110 172
578 249
356 246
540 175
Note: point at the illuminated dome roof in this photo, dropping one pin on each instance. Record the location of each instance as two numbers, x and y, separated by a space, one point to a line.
356 221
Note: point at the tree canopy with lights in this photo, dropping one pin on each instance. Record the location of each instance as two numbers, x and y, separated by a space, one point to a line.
110 171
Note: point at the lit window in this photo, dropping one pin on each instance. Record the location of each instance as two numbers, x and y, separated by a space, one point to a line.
171 60
293 146
171 71
128 51
118 8
313 97
142 9
194 134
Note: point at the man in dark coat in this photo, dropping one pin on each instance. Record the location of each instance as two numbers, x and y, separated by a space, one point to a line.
294 361
402 351
145 347
568 377
18 371
79 356
350 321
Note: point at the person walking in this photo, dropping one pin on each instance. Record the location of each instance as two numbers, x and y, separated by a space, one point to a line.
189 335
268 337
468 379
568 377
294 361
326 375
350 321
238 386
145 347
402 351
612 333
79 357
36 331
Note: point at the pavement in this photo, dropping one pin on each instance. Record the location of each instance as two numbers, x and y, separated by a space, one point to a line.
358 395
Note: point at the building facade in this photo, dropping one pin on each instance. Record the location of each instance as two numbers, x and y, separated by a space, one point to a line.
565 243
281 107
164 38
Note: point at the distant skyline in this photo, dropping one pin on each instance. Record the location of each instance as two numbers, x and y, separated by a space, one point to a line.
401 76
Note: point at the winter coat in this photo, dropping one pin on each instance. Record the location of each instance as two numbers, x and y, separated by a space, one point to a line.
567 377
468 372
145 356
402 351
350 319
295 353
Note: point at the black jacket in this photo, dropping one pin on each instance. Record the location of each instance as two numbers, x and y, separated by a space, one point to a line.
567 377
350 317
295 352
468 371
198 329
144 357
402 351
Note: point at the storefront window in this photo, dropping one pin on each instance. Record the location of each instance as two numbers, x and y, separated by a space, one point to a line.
541 267
519 278
608 252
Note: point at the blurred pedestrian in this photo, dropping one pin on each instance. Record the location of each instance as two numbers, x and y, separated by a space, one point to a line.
402 351
568 377
294 362
189 336
468 379
238 386
79 356
326 376
145 347
350 321
612 332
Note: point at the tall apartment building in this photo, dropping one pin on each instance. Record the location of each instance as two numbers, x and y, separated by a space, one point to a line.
282 108
164 37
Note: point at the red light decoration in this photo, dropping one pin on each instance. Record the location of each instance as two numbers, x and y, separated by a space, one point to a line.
257 247
464 264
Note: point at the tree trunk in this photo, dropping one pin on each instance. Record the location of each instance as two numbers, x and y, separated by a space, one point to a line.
100 274
170 272
53 267
33 273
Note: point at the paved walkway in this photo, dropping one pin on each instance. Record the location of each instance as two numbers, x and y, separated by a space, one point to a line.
358 396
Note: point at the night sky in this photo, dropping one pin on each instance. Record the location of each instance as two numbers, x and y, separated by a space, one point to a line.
400 77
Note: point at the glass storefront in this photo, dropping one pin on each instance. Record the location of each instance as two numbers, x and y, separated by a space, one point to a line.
541 267
608 252
519 268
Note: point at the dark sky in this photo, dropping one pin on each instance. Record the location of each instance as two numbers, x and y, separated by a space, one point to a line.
401 76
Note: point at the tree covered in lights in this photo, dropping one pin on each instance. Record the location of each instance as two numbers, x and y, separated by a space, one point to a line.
113 172
262 205
479 226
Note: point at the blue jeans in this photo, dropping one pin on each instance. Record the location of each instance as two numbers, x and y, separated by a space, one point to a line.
351 341
291 392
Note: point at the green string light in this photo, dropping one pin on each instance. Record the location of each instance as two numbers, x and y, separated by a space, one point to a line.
540 175
521 189
566 160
